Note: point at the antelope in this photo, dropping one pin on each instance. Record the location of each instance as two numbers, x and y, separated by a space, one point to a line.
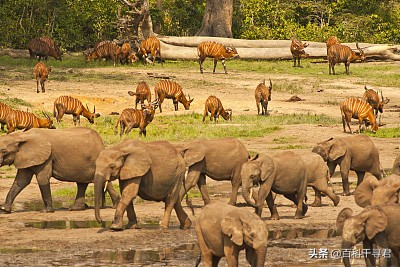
44 47
142 93
214 106
41 73
343 54
124 53
133 118
150 45
332 40
171 90
19 119
262 95
104 49
371 97
5 110
297 50
217 51
357 109
69 105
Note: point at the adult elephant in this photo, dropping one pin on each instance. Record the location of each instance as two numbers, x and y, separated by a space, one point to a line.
284 173
357 153
220 159
154 171
68 155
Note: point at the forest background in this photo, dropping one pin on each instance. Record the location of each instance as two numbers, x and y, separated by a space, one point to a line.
79 24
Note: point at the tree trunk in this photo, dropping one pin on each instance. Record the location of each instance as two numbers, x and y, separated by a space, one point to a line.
217 19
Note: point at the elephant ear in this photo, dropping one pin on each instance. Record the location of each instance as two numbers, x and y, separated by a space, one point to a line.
33 150
232 227
376 222
338 149
193 153
267 167
137 163
364 191
342 217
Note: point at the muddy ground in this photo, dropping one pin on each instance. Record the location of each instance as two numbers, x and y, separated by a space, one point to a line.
64 238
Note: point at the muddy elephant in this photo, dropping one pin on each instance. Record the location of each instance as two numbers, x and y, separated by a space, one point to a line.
154 171
318 178
283 173
357 153
223 230
374 225
377 192
68 155
220 159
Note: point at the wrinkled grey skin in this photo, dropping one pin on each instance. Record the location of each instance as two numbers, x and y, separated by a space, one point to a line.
318 178
154 171
68 155
283 173
374 225
357 153
220 159
377 192
223 230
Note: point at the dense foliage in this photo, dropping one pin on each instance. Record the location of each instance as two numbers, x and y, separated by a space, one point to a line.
78 24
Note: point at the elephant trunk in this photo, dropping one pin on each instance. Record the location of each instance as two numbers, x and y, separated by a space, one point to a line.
246 192
99 183
346 245
261 255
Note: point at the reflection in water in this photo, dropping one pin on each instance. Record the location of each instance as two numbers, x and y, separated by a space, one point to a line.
298 233
84 224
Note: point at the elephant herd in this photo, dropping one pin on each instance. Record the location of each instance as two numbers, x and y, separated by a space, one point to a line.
161 171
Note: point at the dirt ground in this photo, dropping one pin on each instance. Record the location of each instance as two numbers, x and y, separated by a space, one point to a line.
66 238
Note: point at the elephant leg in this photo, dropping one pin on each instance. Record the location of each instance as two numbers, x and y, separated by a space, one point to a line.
79 203
23 178
272 207
130 212
191 179
360 177
113 194
344 171
317 200
185 222
43 174
169 205
215 260
201 184
251 256
322 187
236 180
370 259
231 252
129 190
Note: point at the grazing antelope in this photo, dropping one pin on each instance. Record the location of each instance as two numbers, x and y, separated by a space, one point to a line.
142 93
150 45
171 90
134 118
297 50
19 119
214 106
371 97
43 47
125 53
5 110
262 95
104 49
41 73
357 109
332 40
69 105
217 51
343 54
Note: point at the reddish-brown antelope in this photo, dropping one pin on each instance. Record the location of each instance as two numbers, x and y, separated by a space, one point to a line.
343 54
371 97
214 106
19 119
171 90
136 118
43 47
297 50
69 105
41 73
217 52
5 111
104 49
150 45
142 93
262 95
125 53
332 40
357 109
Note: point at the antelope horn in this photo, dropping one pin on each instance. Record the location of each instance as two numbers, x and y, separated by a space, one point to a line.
382 96
94 108
87 107
365 87
270 83
358 47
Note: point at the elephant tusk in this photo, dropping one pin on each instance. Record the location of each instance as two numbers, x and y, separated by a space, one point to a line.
251 192
105 188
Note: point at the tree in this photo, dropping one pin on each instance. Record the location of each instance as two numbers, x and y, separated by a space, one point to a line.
217 20
140 23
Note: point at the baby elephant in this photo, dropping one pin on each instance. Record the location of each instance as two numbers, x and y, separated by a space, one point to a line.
223 230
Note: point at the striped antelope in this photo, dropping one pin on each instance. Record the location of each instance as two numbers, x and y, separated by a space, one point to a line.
262 95
104 49
297 50
217 51
214 106
343 54
357 109
332 40
5 110
371 97
19 119
41 73
171 90
150 45
69 105
125 53
136 118
142 93
43 47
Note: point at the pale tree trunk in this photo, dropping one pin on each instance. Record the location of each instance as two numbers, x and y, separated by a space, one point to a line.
142 25
217 19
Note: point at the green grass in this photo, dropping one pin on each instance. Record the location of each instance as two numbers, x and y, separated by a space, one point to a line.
290 146
385 133
15 102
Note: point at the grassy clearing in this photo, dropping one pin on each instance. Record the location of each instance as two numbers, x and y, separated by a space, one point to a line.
15 102
385 133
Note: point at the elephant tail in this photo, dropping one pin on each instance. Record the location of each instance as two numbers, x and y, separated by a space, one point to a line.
188 201
198 260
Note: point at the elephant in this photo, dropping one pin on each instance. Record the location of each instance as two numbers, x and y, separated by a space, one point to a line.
377 192
220 159
357 153
318 178
377 225
154 171
66 154
223 230
396 166
284 173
